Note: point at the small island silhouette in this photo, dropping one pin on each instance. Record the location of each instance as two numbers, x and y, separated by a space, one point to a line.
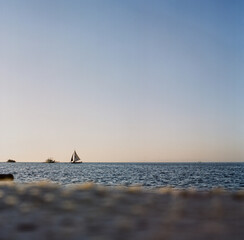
11 161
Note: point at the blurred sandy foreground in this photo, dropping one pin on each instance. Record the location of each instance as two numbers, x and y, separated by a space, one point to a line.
49 211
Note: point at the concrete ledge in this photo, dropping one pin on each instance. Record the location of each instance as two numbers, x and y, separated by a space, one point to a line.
88 211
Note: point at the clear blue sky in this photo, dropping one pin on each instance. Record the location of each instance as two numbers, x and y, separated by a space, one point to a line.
122 80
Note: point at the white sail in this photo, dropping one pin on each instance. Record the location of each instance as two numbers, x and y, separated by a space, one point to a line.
75 157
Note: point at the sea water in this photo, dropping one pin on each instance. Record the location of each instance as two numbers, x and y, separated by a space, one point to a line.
201 176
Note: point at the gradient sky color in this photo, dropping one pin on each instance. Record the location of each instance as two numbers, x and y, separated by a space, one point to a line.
131 80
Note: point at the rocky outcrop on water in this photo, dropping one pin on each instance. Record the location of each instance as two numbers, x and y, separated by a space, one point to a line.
6 177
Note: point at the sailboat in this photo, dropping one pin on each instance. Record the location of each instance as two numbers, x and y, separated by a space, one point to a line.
75 158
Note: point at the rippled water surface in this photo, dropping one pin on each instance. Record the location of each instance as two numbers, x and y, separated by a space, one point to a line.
179 175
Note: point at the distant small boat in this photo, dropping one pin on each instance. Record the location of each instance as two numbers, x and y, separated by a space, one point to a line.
75 158
49 160
11 161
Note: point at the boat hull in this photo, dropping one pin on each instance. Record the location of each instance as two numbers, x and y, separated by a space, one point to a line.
75 162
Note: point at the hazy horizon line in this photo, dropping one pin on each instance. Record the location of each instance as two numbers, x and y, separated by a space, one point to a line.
241 161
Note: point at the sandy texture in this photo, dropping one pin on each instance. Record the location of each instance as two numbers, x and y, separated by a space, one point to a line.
48 211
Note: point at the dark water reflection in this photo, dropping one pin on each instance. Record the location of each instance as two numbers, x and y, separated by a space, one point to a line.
179 175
